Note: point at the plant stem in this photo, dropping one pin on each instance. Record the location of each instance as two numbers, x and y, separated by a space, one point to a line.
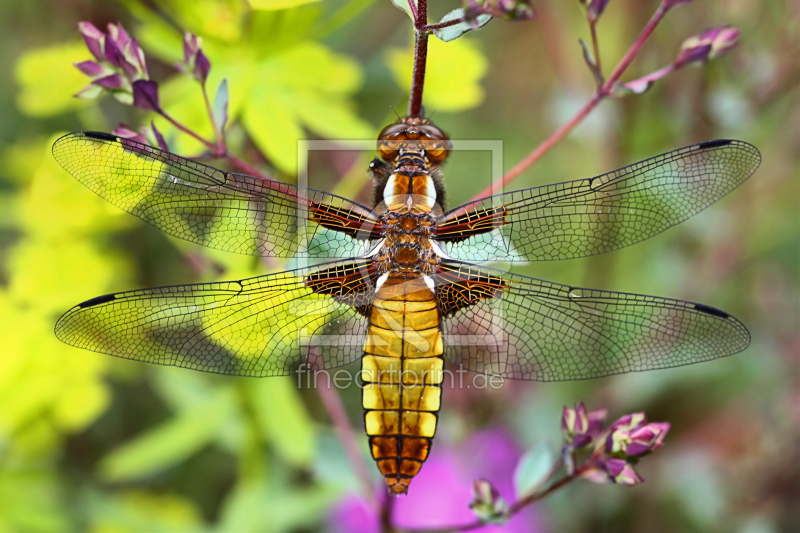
333 404
443 25
217 133
219 151
420 59
595 46
601 93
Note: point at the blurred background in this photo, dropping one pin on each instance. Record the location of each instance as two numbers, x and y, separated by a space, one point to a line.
92 443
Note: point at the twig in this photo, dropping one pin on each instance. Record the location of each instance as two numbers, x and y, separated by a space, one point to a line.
601 93
595 46
443 25
420 59
218 150
333 404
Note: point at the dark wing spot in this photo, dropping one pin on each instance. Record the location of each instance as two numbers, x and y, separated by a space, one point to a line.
100 135
97 301
715 144
713 311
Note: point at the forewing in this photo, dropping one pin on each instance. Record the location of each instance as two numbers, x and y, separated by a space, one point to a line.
263 326
524 328
218 209
596 215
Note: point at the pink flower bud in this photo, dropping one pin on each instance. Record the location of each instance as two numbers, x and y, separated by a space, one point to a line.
707 45
112 81
126 132
145 95
487 504
93 69
94 38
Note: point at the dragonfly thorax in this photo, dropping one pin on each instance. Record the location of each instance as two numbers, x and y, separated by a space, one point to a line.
407 245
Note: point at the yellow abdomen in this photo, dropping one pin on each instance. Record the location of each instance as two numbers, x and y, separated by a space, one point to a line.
402 374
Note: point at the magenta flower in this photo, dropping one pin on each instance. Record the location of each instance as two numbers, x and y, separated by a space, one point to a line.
708 45
440 495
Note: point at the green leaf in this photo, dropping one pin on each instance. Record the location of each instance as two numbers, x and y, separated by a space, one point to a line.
283 419
532 470
220 108
169 443
404 6
454 32
271 5
453 75
48 80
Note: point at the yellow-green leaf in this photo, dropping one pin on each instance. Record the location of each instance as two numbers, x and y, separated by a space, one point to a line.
270 5
452 81
48 79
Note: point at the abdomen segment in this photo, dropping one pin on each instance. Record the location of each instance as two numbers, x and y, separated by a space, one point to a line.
402 375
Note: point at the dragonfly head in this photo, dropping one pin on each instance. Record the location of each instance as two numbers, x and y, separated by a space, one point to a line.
417 134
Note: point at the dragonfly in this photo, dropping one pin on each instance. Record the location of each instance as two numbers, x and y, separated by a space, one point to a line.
403 289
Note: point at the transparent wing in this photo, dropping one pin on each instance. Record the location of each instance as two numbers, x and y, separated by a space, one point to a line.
596 215
524 328
263 326
218 209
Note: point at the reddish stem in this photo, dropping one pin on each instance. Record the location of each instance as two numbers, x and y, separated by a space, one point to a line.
602 92
442 25
420 59
217 150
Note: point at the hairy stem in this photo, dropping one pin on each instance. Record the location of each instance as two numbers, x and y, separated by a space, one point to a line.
420 59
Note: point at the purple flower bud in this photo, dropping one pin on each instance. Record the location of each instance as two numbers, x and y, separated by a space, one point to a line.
191 45
594 8
195 63
581 427
612 470
487 504
93 69
632 436
621 472
114 54
159 138
112 81
94 38
145 95
126 132
201 67
708 45
119 35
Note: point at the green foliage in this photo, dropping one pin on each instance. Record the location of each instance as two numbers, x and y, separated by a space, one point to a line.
88 442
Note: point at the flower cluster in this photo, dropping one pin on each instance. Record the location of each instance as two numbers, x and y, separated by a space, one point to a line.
616 449
119 67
